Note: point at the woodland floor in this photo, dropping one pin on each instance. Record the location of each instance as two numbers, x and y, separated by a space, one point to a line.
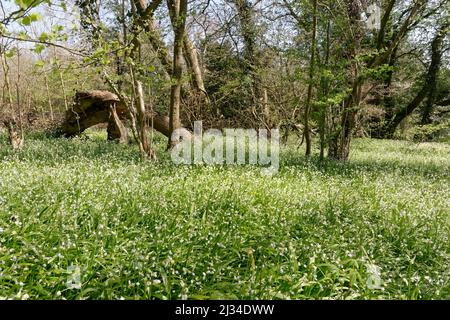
377 227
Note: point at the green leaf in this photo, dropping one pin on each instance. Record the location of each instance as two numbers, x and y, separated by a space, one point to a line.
39 64
43 36
39 48
35 17
10 53
27 20
23 35
27 4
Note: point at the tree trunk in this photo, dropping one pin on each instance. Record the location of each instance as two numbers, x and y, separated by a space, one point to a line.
325 86
191 57
49 99
116 129
310 85
61 80
16 140
428 87
146 150
340 141
7 84
179 9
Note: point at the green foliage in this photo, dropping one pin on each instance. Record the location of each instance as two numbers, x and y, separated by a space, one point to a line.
39 64
379 73
28 19
430 132
158 231
25 4
225 77
11 53
38 48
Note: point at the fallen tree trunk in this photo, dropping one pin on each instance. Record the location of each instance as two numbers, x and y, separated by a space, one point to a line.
95 107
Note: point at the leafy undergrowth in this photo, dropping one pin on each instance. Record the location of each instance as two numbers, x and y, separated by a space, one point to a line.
376 227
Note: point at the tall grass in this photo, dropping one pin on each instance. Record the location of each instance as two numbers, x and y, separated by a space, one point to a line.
377 227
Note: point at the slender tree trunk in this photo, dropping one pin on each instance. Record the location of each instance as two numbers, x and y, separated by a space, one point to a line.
63 88
16 137
325 88
19 103
147 151
5 69
310 85
61 80
179 8
266 110
49 98
115 126
191 57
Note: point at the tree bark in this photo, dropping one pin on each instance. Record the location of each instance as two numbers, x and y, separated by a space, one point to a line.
49 98
191 57
15 139
428 86
179 9
92 108
310 85
116 129
339 148
146 150
325 87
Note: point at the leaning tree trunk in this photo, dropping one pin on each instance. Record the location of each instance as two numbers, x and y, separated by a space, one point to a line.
116 129
191 57
16 140
94 107
428 86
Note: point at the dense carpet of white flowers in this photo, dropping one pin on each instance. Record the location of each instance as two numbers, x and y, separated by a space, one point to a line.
376 227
